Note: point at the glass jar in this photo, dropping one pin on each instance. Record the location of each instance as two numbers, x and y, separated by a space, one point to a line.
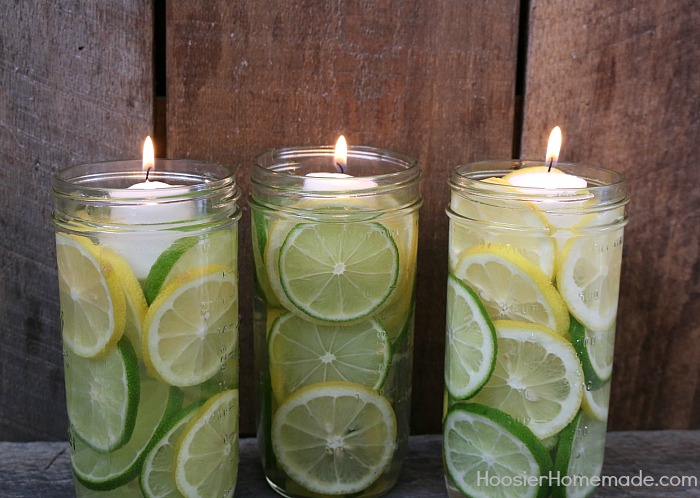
335 265
532 298
148 285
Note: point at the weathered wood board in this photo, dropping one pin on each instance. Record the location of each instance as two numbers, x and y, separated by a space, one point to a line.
621 80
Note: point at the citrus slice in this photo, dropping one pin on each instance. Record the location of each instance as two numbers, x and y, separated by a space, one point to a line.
157 478
512 288
596 402
128 490
470 353
595 350
191 326
157 404
189 253
338 272
579 457
259 231
334 437
102 396
206 461
588 278
537 378
136 305
303 353
500 212
487 453
92 302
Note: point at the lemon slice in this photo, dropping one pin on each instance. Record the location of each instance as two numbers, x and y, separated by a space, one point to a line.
189 253
595 350
596 402
338 272
503 212
192 326
487 452
588 278
470 353
157 478
157 404
511 287
93 310
302 353
334 437
102 396
206 463
537 378
580 457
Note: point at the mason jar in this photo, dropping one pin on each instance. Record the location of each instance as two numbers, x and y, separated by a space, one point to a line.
335 267
148 283
532 298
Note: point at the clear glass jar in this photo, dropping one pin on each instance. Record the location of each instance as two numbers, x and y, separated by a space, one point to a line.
335 265
532 299
148 284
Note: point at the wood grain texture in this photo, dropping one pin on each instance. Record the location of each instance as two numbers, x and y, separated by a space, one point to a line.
36 470
434 80
75 86
621 80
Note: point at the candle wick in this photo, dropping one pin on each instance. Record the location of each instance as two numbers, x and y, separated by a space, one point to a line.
149 170
551 161
340 167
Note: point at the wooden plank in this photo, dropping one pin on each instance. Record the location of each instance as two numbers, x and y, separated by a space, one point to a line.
75 86
434 80
621 80
31 470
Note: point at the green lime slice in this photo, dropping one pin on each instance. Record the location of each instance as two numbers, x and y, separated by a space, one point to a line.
471 346
488 453
303 353
338 272
128 490
579 457
102 396
157 477
206 459
537 378
188 253
334 437
595 350
107 471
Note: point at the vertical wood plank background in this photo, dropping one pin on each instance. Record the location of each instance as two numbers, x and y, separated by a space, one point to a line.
436 80
418 77
621 78
75 86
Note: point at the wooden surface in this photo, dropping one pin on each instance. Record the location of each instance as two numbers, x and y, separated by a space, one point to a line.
621 79
433 80
75 86
37 470
436 80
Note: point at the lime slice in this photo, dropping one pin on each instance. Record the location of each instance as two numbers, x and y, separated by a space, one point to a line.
102 396
303 353
206 462
338 272
596 402
470 353
189 253
136 305
97 471
192 326
259 230
128 490
487 453
512 288
537 378
157 477
579 457
588 278
92 303
334 437
595 350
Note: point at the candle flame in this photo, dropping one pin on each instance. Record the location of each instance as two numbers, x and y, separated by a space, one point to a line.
553 148
148 154
341 153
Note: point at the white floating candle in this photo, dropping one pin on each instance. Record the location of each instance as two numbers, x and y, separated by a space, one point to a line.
337 182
